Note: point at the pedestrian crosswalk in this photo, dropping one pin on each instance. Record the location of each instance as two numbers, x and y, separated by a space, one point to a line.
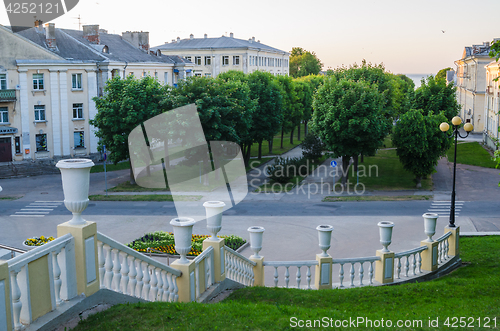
442 208
37 209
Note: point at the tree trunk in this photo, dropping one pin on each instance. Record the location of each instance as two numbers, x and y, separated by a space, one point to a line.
282 137
305 129
362 158
345 169
419 181
291 136
132 179
270 142
260 150
248 152
298 132
355 167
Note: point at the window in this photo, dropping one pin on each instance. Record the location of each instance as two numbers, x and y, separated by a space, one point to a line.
79 139
78 111
131 74
156 74
76 81
144 74
39 113
3 81
225 60
17 143
236 60
37 81
166 77
4 115
41 142
188 58
207 74
208 60
197 74
197 60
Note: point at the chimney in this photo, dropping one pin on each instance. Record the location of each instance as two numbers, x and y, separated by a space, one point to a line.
173 40
137 39
253 39
231 35
205 36
178 39
486 44
39 26
91 33
50 36
191 36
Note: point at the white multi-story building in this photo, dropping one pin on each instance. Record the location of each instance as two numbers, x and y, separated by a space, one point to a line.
212 56
492 105
49 77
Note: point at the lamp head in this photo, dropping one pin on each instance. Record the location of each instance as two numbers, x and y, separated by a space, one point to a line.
468 127
456 120
444 127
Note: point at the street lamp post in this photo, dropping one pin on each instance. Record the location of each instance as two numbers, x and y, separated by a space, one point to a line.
456 121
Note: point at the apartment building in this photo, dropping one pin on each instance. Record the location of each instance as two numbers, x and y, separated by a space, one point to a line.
211 56
492 105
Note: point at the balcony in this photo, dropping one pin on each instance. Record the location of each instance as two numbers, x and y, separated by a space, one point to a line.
7 95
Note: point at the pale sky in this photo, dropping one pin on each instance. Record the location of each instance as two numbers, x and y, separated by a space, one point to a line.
405 35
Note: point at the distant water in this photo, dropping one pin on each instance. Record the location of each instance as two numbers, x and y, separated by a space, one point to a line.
417 78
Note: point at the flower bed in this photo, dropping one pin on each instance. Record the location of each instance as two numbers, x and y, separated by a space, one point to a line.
37 241
164 242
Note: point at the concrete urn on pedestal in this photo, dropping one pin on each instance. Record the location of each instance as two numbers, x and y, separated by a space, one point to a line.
256 233
183 232
75 174
214 211
385 231
325 238
430 220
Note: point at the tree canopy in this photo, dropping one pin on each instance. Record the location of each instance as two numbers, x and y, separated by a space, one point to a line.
304 63
434 95
442 73
419 142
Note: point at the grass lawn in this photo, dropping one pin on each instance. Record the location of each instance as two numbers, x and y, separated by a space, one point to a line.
471 153
377 198
471 292
384 172
144 197
110 167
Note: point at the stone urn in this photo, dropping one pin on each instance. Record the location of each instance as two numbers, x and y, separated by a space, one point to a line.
75 174
430 220
183 233
385 231
213 211
256 233
325 238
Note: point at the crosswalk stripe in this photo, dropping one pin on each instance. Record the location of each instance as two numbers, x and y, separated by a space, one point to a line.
29 215
36 209
51 201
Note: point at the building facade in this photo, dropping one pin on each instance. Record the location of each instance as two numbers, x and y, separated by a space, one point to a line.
212 56
49 77
492 105
471 84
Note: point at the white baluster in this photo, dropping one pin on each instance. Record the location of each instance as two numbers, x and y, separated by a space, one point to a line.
153 283
116 270
57 276
414 263
287 277
275 276
361 273
166 286
170 287
16 300
308 277
447 248
419 262
298 276
399 268
176 289
132 274
370 273
124 271
101 260
140 282
146 279
440 252
108 266
352 274
407 265
159 296
341 275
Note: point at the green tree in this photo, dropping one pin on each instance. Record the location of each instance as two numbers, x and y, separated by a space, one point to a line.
303 63
290 110
495 49
314 82
304 92
125 104
419 142
267 117
434 95
348 118
442 73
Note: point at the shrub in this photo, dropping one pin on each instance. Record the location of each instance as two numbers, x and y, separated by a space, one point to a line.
312 147
284 169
